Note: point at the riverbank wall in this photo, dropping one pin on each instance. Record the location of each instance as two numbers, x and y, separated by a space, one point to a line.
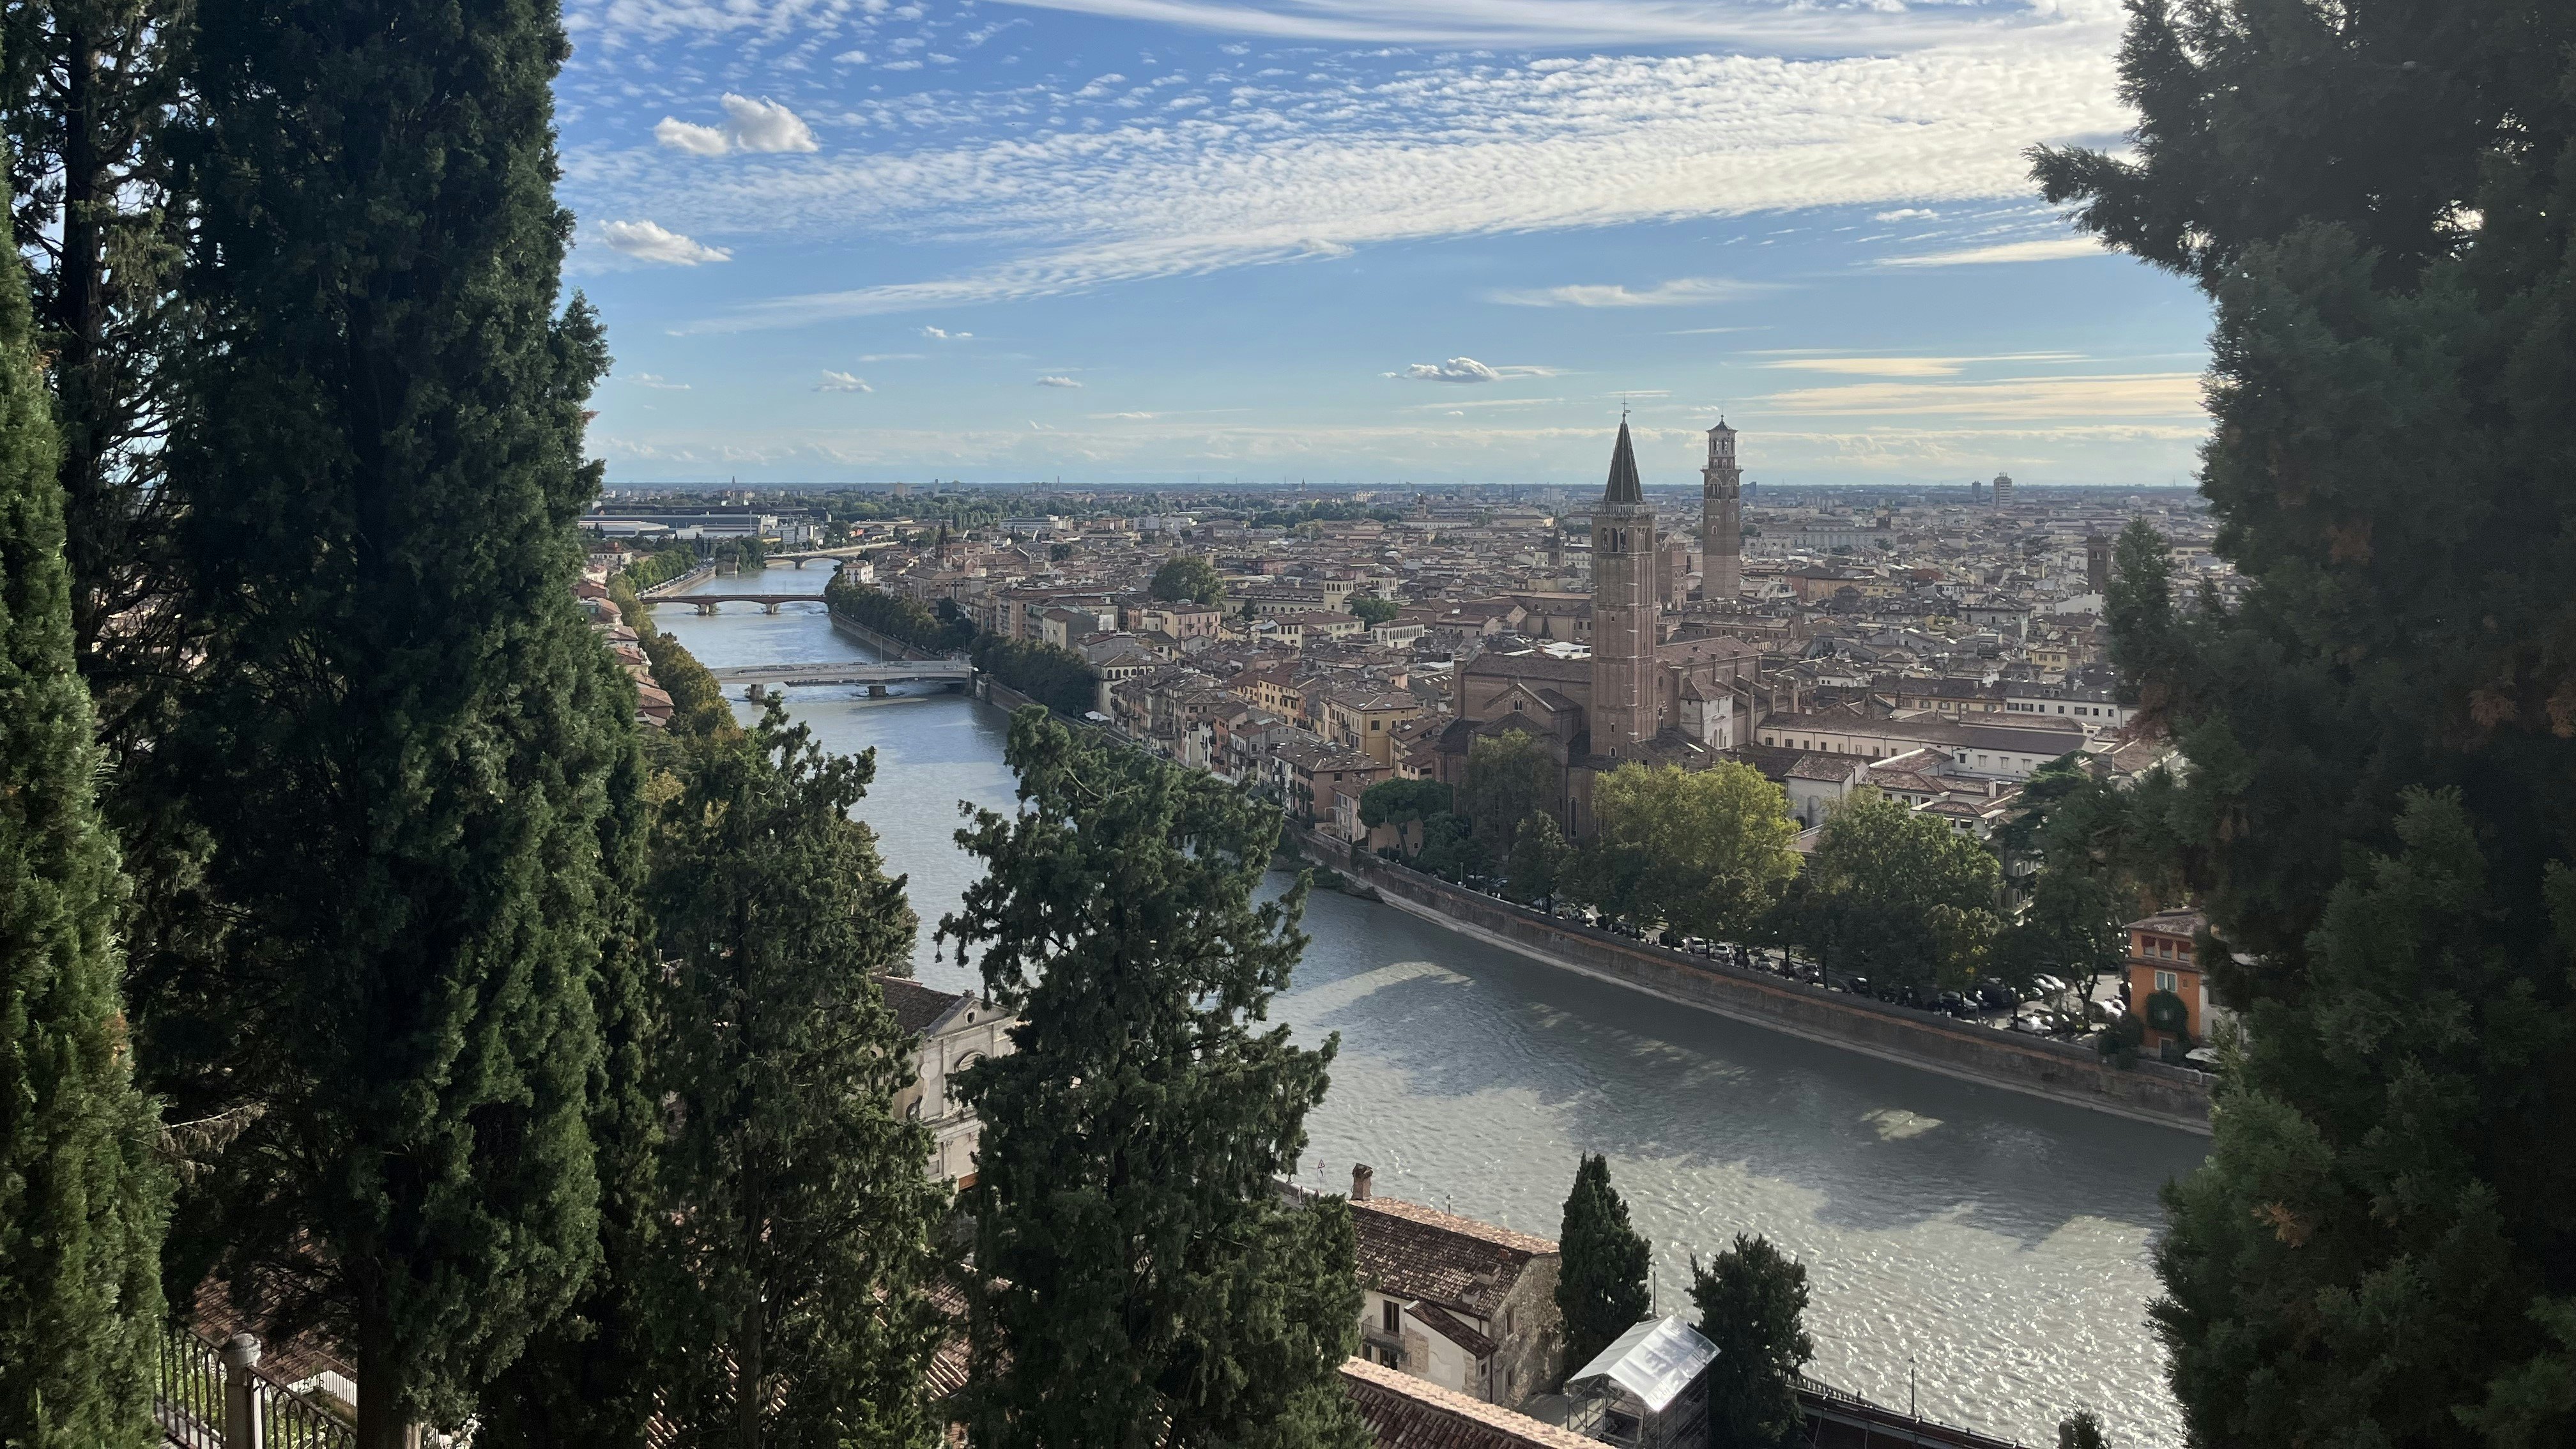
994 692
885 645
2060 1071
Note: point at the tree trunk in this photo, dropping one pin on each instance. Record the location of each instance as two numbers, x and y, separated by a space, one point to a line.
382 1424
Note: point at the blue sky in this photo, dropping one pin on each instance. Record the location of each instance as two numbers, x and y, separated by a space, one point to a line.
1360 241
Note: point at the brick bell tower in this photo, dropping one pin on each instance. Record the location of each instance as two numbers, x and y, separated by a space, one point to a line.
1625 610
1721 520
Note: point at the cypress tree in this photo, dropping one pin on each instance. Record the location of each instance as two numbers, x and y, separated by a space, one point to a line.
1752 1301
2380 812
403 739
81 1200
1140 1280
790 1282
1601 1279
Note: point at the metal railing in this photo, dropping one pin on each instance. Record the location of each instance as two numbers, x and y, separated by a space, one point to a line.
215 1397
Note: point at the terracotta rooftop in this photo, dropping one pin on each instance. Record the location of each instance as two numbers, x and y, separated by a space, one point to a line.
1412 1251
1404 1412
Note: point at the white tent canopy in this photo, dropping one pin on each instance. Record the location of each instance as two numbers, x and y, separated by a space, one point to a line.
1655 1361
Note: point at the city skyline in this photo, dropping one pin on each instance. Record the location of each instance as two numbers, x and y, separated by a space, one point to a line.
1433 242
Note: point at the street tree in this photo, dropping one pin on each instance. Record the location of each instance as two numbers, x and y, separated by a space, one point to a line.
1706 852
2080 1430
82 1200
790 1281
1138 1279
1371 610
408 749
1878 872
1601 1286
1538 860
1404 804
1509 779
1186 577
1752 1302
2379 813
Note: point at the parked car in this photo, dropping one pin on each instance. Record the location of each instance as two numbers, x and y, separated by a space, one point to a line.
1859 986
1996 994
2035 1025
2049 984
2201 1057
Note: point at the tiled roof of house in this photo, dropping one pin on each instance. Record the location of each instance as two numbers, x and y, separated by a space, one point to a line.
1415 1252
1441 1321
916 1007
1404 1412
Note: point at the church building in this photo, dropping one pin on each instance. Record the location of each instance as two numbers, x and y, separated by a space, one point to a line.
1652 688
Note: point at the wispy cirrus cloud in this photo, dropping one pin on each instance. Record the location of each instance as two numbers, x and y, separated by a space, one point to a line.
1057 380
1909 366
1680 292
2042 249
2109 396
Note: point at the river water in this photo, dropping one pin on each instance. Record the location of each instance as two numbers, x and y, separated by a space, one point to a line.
1984 1251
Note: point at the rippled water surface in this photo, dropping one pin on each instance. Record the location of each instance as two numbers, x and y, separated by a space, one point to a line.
1992 1243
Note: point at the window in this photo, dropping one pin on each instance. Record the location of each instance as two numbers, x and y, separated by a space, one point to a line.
1393 1319
2165 980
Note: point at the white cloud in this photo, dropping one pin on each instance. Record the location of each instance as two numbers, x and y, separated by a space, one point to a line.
1908 366
1542 23
658 382
1907 213
1056 381
750 125
890 356
1680 292
697 140
1468 369
851 57
942 334
842 382
2127 395
2045 250
648 241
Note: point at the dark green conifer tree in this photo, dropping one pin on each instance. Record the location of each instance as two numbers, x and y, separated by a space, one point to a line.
403 739
1141 1282
82 1201
2381 728
2380 809
791 1279
1601 1283
1752 1301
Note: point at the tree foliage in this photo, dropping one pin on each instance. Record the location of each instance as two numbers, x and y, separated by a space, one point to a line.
1873 897
1371 610
1601 1286
904 620
1139 1280
1706 852
2380 808
1509 778
1057 678
403 738
1752 1302
82 1201
1186 576
790 1279
698 704
1536 868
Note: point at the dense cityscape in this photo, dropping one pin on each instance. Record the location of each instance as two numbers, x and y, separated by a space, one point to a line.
551 900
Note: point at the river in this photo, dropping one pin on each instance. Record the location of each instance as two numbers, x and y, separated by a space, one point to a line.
1985 1251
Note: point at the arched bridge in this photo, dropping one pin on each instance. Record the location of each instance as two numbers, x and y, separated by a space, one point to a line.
953 672
707 602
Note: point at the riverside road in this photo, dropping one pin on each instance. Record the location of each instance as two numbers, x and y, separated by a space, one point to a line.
1993 1245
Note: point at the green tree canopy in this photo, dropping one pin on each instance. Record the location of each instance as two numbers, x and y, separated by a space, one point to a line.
407 746
1752 1302
1057 678
1537 865
1510 777
1878 874
1401 801
2380 806
698 704
1139 1280
2080 1430
1372 610
790 1280
1186 576
82 1201
1601 1286
1706 852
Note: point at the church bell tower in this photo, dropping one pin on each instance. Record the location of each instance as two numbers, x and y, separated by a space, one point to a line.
1625 610
1721 520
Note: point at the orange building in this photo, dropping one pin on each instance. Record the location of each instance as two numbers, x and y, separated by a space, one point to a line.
2162 958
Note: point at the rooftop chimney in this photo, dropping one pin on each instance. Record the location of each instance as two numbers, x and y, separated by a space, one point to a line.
1361 1174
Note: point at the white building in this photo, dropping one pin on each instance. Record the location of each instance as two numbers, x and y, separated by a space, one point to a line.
952 1032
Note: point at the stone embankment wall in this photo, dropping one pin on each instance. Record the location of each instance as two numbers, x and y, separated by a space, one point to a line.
2061 1071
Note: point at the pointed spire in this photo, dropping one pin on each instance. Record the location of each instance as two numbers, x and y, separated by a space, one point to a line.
1623 472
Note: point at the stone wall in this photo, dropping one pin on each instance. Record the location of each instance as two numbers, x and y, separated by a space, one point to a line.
2061 1071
